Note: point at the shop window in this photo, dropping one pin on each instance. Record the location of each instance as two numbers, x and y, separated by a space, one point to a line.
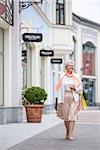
60 12
89 91
88 59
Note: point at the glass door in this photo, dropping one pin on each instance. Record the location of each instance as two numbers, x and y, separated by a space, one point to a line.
89 91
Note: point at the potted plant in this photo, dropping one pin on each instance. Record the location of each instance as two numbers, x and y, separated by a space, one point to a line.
33 99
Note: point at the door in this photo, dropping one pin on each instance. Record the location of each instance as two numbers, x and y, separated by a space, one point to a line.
57 70
89 91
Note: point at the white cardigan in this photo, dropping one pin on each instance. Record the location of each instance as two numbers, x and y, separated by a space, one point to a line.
66 82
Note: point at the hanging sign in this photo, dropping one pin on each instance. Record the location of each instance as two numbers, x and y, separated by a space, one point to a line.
56 61
46 53
24 53
32 37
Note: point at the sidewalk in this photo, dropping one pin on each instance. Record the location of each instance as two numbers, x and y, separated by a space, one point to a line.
87 137
12 134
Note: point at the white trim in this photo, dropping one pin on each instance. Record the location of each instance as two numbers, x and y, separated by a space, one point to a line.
3 24
47 21
88 77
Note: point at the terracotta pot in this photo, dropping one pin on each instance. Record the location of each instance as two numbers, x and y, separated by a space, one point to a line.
34 113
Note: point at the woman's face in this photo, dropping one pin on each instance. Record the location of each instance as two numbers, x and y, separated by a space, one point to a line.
70 67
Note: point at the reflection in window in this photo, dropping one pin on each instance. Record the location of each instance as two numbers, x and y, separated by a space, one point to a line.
60 14
88 59
89 91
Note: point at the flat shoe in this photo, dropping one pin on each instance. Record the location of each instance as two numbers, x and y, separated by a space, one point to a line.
66 136
70 138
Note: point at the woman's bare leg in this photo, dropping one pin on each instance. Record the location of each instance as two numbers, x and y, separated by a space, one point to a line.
71 128
67 128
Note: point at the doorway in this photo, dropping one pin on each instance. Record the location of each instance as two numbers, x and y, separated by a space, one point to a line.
89 91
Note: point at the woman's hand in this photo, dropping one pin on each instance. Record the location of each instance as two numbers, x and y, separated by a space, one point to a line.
72 87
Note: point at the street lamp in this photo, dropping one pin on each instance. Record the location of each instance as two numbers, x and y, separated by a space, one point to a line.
71 53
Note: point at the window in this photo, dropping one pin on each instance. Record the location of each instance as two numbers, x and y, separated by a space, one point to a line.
89 91
1 67
88 59
60 12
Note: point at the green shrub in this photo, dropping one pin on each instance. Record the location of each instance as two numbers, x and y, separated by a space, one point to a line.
34 95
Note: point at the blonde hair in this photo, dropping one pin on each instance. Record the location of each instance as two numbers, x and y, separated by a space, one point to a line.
68 62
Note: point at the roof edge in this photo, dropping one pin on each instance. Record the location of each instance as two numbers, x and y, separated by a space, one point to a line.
85 21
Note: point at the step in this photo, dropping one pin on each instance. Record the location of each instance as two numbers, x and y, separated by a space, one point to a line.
89 116
93 108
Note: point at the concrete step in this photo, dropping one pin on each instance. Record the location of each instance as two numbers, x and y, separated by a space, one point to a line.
89 116
93 108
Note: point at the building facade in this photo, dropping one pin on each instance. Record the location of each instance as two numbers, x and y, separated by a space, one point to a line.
45 59
10 64
68 36
86 37
25 64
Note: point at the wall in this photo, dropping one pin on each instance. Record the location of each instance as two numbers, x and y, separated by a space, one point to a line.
11 111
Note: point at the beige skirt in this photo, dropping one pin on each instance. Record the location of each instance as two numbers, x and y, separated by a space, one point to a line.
68 111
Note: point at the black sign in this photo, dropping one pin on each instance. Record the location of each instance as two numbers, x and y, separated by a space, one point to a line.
24 53
56 61
46 53
32 37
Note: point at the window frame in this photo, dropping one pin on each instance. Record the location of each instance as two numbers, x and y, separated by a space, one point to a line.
60 9
88 48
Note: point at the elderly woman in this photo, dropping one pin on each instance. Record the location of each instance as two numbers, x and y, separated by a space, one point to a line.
69 88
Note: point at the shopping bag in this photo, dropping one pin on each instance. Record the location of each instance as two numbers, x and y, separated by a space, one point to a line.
84 104
60 108
56 102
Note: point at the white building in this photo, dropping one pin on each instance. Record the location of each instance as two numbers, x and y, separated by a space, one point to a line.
10 64
65 36
86 48
68 36
40 70
54 20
